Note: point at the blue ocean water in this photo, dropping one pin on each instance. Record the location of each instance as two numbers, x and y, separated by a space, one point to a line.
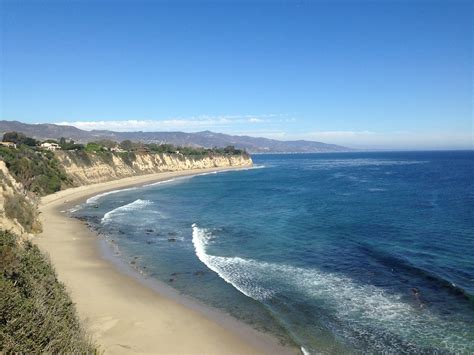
343 252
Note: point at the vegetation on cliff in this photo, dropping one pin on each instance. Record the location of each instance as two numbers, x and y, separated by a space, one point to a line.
103 145
38 171
36 313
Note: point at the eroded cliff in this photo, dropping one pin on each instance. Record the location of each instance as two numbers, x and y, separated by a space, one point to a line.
88 168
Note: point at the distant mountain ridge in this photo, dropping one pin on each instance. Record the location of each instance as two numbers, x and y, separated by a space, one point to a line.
206 139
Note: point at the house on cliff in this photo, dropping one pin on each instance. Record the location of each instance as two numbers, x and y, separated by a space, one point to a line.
50 146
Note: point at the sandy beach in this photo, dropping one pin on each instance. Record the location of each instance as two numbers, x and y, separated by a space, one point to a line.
120 312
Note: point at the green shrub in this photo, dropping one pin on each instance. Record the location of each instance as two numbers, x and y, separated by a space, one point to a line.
36 313
93 147
38 171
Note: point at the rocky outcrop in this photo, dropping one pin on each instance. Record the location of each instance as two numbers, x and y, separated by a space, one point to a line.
88 168
18 208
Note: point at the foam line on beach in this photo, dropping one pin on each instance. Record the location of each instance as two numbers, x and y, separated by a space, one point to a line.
165 181
230 170
96 198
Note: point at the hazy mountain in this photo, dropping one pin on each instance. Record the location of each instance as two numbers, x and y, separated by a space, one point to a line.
199 139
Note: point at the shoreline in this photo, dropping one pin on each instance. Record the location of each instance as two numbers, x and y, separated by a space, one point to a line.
124 311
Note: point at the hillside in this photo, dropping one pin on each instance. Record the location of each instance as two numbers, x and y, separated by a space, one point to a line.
204 139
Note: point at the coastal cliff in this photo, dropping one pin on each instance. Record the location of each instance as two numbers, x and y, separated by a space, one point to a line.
89 168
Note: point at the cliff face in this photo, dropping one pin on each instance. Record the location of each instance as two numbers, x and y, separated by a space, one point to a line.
18 212
88 168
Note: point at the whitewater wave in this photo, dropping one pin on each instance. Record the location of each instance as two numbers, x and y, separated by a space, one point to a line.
123 210
96 198
357 306
229 269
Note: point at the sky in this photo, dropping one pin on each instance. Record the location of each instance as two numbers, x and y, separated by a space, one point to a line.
365 74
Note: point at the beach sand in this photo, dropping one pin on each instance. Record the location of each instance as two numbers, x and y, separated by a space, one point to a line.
119 311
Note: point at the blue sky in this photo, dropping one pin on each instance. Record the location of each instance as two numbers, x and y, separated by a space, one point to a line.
371 74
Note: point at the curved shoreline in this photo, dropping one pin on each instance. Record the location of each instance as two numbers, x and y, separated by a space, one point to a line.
122 313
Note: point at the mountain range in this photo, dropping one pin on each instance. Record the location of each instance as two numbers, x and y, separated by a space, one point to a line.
205 139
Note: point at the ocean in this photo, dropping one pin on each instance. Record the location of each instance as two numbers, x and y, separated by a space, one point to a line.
334 253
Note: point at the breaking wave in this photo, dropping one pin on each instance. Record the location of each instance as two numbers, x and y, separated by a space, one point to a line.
360 307
229 269
124 210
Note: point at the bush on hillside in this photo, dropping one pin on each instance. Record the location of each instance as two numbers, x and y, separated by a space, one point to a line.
36 313
38 171
93 147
